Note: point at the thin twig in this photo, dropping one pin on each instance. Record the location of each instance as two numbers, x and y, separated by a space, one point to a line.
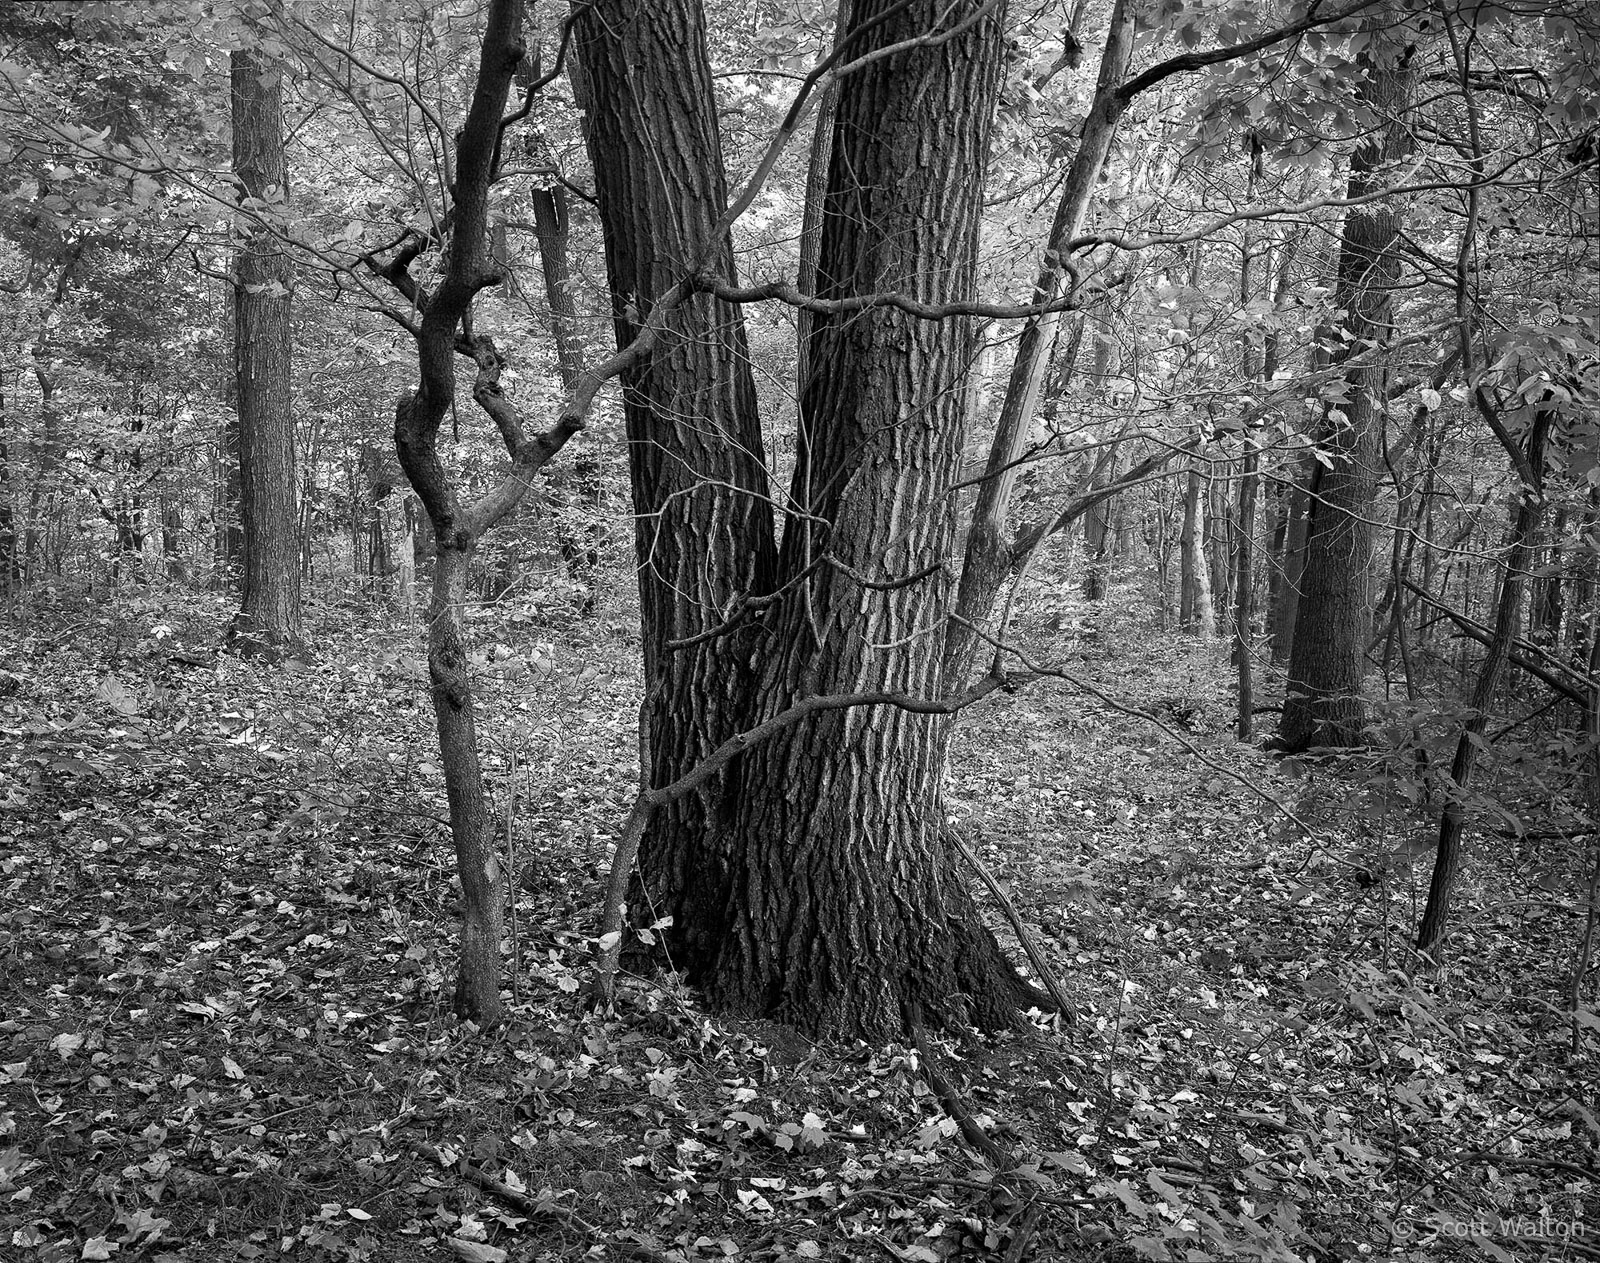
998 1158
535 1206
1035 956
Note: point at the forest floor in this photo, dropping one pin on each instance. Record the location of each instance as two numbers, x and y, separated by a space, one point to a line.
227 938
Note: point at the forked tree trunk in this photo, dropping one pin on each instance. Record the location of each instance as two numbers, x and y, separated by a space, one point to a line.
268 620
459 524
849 912
703 536
1323 703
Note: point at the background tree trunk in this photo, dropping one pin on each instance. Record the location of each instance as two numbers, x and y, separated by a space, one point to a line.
990 554
1520 551
1290 563
579 546
268 620
1097 540
1323 704
1195 613
1244 601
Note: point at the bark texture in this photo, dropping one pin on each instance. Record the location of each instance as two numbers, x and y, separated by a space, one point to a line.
268 620
849 912
703 533
1323 704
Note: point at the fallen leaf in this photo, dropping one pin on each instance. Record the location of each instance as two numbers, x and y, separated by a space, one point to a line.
477 1252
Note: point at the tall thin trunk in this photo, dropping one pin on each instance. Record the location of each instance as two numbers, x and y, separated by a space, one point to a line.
1195 612
1244 596
50 447
268 620
1220 541
10 561
551 222
551 230
1291 562
811 227
1323 704
1546 609
1097 541
991 553
1452 820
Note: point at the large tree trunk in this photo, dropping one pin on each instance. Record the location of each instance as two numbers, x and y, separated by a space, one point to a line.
850 915
703 524
1323 704
268 620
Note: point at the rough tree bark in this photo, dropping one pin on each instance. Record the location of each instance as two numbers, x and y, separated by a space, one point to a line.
850 913
1323 704
703 534
268 621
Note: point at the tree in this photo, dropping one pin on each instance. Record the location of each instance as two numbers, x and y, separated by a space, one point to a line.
843 816
442 332
269 612
703 540
765 874
1323 705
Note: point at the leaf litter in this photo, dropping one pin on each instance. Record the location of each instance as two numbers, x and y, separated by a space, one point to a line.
227 941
